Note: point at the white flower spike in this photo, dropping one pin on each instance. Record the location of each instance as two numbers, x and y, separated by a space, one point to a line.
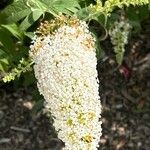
65 67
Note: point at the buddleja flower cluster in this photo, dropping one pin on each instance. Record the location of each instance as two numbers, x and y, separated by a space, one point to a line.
65 68
119 37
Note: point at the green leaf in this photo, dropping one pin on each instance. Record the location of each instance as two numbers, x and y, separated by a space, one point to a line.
29 79
13 28
37 107
16 11
83 13
18 16
30 19
6 40
69 6
97 46
144 13
134 19
2 68
36 96
4 60
37 5
2 18
29 34
132 14
2 52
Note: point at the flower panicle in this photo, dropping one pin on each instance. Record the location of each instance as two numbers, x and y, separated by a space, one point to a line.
65 68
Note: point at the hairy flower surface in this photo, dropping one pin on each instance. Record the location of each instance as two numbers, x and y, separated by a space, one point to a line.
65 68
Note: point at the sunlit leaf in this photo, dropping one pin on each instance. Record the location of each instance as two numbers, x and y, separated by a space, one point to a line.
30 19
67 6
13 28
16 11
